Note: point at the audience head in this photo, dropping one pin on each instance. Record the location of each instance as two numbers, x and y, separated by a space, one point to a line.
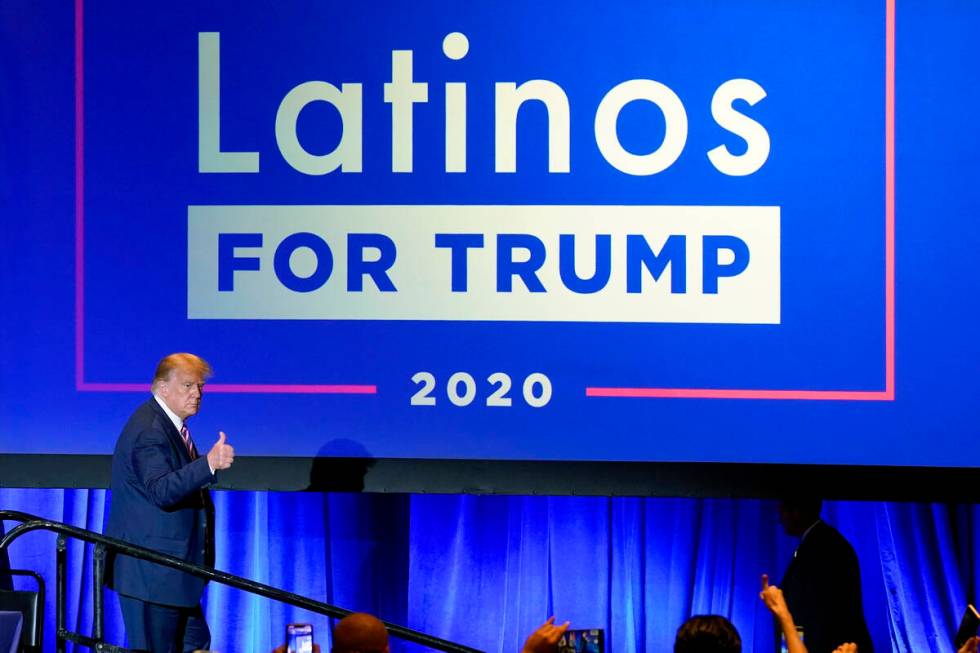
360 633
707 634
798 514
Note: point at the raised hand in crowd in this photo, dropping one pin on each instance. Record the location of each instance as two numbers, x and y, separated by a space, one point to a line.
772 596
847 647
545 638
970 646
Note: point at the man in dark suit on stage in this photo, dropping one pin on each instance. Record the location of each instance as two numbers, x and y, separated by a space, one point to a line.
822 585
160 501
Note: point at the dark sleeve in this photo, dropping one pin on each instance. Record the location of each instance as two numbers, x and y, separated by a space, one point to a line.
840 596
851 602
165 483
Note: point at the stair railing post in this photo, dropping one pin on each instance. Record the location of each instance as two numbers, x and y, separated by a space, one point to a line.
62 593
98 603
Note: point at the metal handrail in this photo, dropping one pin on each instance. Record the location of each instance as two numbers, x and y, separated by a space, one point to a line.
33 523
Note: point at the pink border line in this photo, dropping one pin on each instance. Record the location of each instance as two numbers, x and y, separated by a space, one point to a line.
888 394
711 393
79 198
81 384
244 387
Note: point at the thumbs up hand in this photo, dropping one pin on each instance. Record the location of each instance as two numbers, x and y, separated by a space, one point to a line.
222 455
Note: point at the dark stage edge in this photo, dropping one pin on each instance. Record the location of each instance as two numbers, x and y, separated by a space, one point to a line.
533 477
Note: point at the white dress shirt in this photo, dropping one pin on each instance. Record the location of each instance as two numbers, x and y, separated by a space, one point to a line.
179 423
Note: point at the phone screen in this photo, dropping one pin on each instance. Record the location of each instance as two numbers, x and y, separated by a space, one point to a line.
299 638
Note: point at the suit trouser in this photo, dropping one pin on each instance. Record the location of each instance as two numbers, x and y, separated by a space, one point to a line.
163 628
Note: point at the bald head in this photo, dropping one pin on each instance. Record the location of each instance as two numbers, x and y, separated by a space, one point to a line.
360 633
798 514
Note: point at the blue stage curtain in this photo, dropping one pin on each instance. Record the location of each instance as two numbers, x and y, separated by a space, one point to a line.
486 570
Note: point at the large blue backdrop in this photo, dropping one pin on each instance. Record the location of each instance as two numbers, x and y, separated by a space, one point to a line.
486 570
767 200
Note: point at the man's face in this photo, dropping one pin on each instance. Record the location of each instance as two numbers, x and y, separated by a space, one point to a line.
182 392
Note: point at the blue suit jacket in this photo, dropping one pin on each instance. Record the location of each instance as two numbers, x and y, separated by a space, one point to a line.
159 502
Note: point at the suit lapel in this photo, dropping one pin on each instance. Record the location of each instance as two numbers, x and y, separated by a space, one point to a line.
176 442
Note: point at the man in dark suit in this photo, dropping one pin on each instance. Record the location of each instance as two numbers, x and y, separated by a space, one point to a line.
822 585
160 501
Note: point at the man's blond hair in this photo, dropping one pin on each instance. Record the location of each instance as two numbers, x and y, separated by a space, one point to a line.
182 361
